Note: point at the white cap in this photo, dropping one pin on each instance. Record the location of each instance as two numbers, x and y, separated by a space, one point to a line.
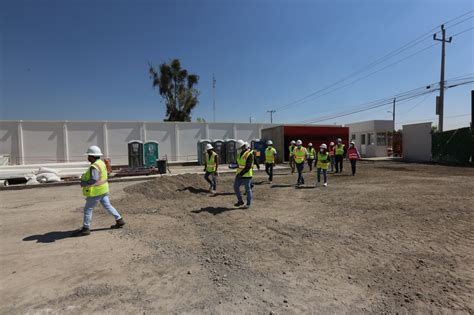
310 144
94 151
292 142
339 140
323 146
240 143
209 146
299 142
269 142
331 143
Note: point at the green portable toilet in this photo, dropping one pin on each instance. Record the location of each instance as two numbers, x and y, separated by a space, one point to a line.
150 153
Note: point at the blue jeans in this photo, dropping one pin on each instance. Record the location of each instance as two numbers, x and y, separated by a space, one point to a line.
300 168
248 189
91 203
325 174
212 181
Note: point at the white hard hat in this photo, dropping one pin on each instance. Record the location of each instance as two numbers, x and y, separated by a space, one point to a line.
94 151
292 142
323 146
240 143
269 142
299 142
310 144
331 143
247 145
353 142
339 140
209 146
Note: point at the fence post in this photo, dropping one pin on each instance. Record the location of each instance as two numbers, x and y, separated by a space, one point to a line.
176 141
21 148
66 142
106 139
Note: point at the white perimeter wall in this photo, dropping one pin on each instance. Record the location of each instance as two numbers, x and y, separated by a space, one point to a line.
417 142
66 141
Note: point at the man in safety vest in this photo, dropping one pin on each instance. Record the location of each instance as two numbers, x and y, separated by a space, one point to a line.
353 155
95 188
292 162
210 167
243 176
311 153
339 153
300 156
331 155
270 154
322 164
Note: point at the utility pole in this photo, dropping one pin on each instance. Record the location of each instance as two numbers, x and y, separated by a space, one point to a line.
250 119
472 127
393 112
214 97
271 115
440 104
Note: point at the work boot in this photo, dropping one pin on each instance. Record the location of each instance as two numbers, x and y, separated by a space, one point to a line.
239 204
82 232
118 224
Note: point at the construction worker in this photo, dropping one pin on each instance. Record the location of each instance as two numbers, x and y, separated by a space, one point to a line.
292 148
339 153
245 160
210 167
331 155
300 155
311 153
270 154
353 155
322 164
96 189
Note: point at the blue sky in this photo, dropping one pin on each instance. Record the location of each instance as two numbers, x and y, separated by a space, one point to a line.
87 60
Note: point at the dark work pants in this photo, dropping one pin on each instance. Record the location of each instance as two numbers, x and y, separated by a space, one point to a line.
310 164
300 168
269 170
339 159
353 166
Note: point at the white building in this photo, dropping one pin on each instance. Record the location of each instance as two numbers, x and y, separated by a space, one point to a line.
371 137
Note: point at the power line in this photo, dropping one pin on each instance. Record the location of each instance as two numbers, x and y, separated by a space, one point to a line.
408 45
404 97
466 30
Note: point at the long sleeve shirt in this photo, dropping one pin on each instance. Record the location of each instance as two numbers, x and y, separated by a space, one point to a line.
95 176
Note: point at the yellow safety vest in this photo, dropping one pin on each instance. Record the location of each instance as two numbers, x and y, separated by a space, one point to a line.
242 161
311 153
321 158
339 149
299 154
99 188
211 162
270 155
292 148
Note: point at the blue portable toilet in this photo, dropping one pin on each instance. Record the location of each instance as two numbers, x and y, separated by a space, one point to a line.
259 145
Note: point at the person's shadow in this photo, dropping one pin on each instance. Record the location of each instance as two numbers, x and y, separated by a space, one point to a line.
214 210
51 237
194 190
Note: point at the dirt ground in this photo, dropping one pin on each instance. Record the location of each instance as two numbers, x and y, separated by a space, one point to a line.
396 238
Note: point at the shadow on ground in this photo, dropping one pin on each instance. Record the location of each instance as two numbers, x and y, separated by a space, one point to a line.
194 190
214 210
54 236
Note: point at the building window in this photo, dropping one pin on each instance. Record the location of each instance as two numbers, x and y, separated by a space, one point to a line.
362 139
353 137
370 139
381 138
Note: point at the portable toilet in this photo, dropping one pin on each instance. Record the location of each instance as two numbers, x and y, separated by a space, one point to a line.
135 154
150 152
219 148
231 151
259 146
201 150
